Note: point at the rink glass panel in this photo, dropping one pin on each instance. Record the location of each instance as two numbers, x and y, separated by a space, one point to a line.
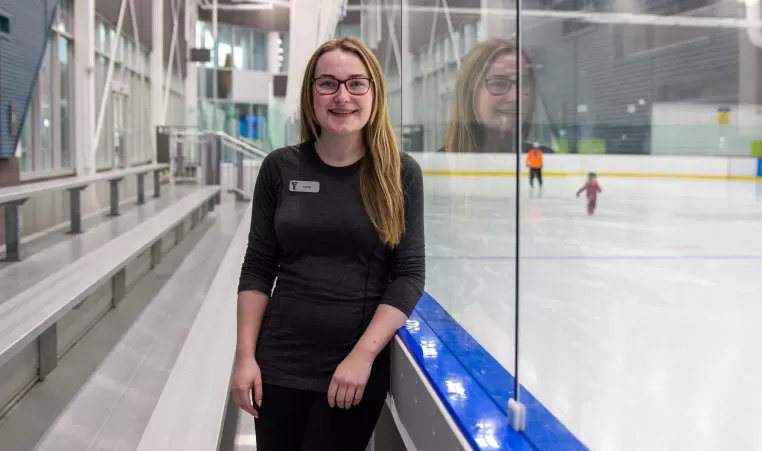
629 314
626 316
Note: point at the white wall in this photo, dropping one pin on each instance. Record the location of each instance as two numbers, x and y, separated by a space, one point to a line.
251 86
604 165
693 129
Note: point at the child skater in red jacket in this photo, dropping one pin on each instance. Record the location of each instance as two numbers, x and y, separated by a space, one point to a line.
592 188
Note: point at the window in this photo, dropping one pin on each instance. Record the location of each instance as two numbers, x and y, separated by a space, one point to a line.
259 47
128 58
102 37
44 84
457 44
467 38
63 13
65 125
46 137
242 50
25 141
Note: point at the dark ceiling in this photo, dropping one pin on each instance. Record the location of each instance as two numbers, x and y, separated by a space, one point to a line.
276 19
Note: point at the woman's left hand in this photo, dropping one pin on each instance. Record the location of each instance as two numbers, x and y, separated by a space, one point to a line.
349 380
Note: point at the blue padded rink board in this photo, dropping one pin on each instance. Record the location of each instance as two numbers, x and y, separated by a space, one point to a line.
475 388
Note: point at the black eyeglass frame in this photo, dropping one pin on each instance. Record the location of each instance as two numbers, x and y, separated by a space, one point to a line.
341 82
525 87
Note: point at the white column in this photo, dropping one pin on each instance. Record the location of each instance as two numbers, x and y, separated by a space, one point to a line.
215 64
191 77
407 66
303 32
84 85
273 52
157 69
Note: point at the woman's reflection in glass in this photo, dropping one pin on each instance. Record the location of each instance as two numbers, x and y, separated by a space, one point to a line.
485 101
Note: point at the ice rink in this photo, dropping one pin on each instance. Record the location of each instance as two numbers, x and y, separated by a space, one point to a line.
640 326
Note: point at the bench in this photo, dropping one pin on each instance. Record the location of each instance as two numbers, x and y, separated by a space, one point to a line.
133 348
14 196
33 314
50 257
204 366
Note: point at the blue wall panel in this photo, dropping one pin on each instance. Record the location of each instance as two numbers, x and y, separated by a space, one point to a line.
21 52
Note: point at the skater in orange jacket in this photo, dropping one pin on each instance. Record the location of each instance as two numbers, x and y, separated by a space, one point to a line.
534 163
593 188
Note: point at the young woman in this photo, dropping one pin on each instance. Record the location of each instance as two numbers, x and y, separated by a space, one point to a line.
334 264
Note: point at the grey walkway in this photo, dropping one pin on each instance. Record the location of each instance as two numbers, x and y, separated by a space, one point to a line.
103 392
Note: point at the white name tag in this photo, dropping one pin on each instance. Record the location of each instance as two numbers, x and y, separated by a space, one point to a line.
304 187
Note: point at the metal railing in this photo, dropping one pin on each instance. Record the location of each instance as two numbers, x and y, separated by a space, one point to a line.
207 157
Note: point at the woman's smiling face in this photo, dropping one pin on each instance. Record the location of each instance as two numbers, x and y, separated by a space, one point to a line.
342 93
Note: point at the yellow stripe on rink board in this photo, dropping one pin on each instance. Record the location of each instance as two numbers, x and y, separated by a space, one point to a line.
600 174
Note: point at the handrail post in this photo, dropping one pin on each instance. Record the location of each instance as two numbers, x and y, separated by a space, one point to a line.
239 176
141 188
114 195
12 238
75 209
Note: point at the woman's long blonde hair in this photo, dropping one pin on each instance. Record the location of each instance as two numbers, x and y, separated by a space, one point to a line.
380 178
464 128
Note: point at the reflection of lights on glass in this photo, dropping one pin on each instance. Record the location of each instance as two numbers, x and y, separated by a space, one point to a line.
722 139
46 123
456 389
631 108
413 325
485 436
642 102
429 349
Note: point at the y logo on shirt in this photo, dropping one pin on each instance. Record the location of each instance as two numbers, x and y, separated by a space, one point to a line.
304 187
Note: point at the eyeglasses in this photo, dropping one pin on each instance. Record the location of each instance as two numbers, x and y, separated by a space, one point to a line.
499 86
355 86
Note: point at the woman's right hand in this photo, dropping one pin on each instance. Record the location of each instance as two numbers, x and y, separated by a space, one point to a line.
247 378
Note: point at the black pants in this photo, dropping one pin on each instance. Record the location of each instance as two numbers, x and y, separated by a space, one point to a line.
296 420
535 172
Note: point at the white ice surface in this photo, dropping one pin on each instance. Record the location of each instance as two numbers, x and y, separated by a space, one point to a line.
640 326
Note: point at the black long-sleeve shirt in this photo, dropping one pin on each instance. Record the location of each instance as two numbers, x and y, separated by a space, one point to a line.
310 235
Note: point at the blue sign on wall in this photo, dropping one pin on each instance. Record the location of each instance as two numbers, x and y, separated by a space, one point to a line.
248 127
759 167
